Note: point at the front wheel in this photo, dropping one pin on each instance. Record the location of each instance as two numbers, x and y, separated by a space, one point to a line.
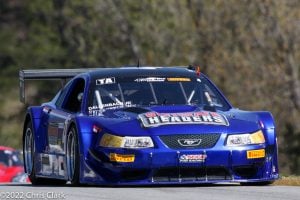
73 156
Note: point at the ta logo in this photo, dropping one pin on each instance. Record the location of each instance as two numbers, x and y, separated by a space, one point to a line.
104 81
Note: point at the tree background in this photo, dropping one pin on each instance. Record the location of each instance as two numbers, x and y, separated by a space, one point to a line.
249 48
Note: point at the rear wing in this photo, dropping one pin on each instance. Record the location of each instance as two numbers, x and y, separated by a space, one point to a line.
46 74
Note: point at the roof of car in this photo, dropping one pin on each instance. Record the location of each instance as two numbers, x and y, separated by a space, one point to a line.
6 148
143 71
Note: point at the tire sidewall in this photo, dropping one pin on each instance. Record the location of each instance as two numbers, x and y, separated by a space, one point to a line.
74 178
31 175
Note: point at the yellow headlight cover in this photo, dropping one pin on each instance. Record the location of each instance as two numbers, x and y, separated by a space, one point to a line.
257 137
109 140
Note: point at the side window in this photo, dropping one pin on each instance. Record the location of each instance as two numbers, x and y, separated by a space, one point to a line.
73 99
4 158
62 95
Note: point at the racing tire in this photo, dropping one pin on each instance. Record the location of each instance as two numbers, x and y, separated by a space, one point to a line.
29 159
73 160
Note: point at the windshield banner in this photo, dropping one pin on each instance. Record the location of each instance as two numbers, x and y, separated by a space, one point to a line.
153 119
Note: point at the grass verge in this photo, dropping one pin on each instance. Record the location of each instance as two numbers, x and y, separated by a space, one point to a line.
288 180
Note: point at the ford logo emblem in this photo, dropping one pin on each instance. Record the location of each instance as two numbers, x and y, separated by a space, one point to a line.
189 142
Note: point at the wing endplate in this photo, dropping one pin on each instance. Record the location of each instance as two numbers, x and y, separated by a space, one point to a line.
47 74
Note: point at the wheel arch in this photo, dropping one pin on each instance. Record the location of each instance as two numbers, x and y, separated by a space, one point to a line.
34 115
26 121
270 129
85 135
268 125
86 139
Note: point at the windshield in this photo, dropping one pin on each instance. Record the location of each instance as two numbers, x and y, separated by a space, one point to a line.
110 93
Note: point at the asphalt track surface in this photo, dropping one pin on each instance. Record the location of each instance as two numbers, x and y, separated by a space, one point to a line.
185 192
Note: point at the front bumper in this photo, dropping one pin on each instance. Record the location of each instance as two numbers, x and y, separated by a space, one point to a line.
165 166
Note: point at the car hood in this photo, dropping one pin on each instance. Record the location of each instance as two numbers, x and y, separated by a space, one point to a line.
164 120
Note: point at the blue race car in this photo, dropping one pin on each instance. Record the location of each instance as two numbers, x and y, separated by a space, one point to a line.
144 125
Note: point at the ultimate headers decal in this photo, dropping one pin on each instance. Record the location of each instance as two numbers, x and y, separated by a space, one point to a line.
152 119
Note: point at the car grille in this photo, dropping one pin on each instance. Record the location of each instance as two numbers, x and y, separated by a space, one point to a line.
171 174
191 141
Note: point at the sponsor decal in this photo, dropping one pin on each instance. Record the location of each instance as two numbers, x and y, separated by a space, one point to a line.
189 142
104 81
45 159
192 158
96 113
150 79
121 157
152 119
117 104
260 153
96 110
91 108
178 79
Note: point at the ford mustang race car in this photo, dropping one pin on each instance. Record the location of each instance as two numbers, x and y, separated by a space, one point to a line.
144 125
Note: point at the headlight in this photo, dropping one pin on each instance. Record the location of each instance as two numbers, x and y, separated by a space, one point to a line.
138 142
109 140
245 139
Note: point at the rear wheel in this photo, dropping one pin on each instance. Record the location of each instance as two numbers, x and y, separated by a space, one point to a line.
29 149
29 159
73 156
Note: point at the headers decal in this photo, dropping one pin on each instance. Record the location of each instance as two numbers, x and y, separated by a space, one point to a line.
153 119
